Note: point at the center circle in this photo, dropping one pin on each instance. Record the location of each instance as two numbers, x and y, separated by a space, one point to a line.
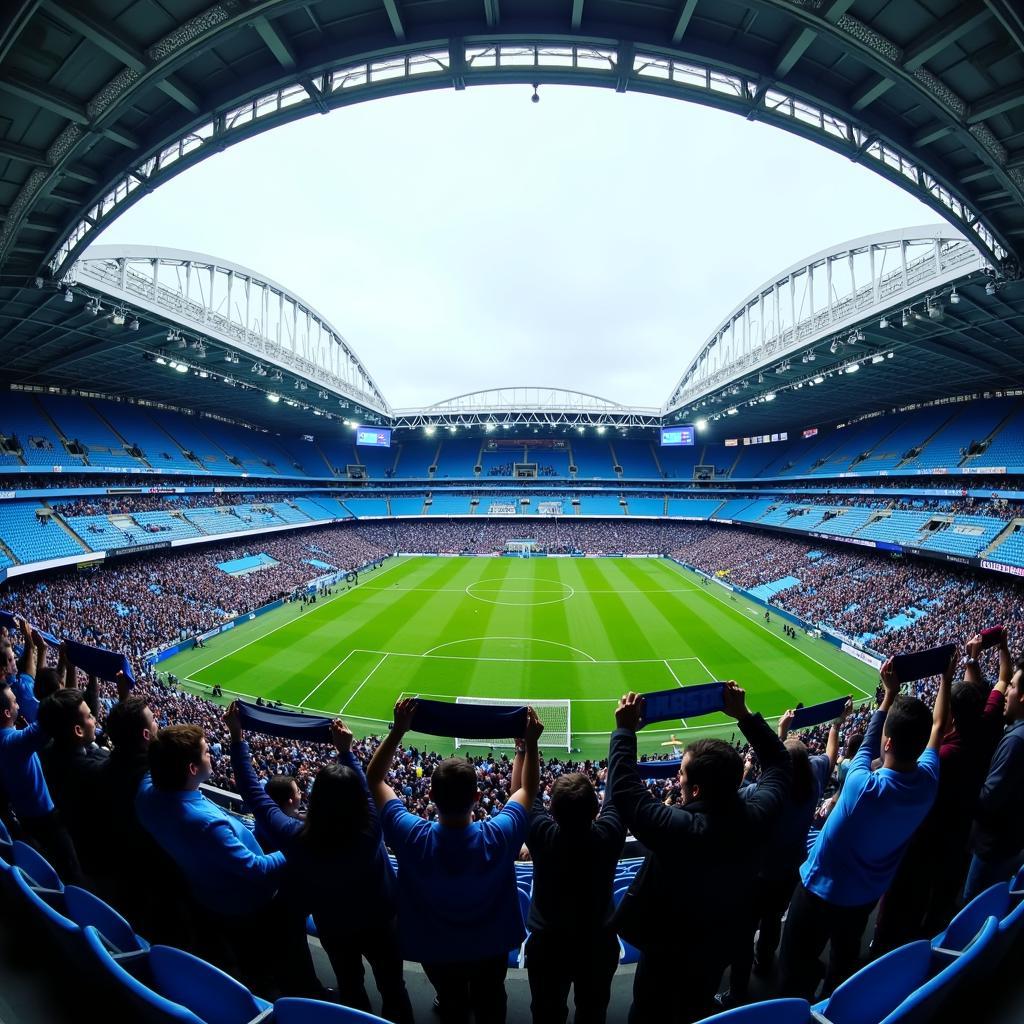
535 592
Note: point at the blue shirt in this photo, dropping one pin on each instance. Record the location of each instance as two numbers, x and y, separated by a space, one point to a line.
860 846
22 771
457 886
24 689
224 865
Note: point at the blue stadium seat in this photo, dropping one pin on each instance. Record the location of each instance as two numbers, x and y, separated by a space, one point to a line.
149 1005
1010 929
41 913
928 1002
877 989
206 990
36 867
965 927
85 909
773 1011
313 1011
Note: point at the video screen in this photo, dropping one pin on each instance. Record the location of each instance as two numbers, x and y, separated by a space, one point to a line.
373 437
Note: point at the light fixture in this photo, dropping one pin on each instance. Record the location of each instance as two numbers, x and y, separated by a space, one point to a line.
853 368
203 374
117 317
954 297
905 319
39 282
428 429
701 424
133 324
200 350
832 348
732 411
857 336
883 323
760 380
69 295
488 427
94 308
890 355
819 380
181 367
770 397
811 356
876 359
990 288
160 361
934 310
271 397
600 429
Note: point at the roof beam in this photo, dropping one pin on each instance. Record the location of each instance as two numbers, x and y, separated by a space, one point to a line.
997 102
577 13
934 132
100 35
492 12
22 154
965 18
683 21
53 100
180 93
395 17
867 94
275 42
794 48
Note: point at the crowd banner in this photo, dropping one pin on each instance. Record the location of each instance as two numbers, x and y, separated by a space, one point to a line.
688 702
659 769
815 714
290 725
469 721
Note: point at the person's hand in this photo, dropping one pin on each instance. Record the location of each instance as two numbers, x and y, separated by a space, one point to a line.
233 721
786 721
405 711
1004 639
888 676
26 629
734 700
341 736
630 712
534 726
124 686
973 647
847 710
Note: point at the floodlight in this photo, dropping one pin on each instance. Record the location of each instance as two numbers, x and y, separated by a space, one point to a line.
272 397
819 380
954 297
203 374
702 424
877 359
160 361
181 367
69 295
600 429
770 397
853 368
133 324
905 319
883 323
117 317
990 288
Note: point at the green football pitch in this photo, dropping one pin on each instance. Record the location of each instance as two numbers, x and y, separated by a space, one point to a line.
582 630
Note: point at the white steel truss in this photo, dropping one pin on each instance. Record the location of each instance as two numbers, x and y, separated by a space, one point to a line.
234 307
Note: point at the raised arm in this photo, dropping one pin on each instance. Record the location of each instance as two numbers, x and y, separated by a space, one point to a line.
29 652
776 768
380 763
832 746
1005 664
530 773
972 670
517 765
785 722
940 714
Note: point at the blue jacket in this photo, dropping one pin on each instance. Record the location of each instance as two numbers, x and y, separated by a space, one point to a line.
217 854
22 771
356 884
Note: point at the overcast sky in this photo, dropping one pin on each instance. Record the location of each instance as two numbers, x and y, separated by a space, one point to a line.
463 241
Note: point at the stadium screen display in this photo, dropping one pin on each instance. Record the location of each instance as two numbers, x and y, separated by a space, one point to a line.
676 435
374 437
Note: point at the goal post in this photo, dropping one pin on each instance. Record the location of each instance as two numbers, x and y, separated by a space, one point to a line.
555 714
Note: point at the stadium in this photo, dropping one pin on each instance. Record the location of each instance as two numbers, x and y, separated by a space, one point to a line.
220 539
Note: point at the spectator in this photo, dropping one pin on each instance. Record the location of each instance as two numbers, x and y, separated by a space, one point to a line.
997 836
458 907
859 848
230 877
784 852
701 862
337 869
572 942
26 789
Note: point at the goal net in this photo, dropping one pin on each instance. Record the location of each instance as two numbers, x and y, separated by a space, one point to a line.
553 713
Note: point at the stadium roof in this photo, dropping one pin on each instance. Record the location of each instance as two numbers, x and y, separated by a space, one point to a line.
103 104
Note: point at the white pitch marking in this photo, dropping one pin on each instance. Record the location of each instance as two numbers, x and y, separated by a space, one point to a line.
326 677
341 710
676 678
527 639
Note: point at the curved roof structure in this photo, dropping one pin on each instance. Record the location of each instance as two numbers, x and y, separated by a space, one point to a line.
826 298
101 107
247 312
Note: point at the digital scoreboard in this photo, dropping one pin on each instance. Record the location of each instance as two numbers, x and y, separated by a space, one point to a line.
676 435
373 437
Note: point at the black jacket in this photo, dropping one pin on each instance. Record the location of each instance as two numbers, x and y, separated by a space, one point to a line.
573 872
695 885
